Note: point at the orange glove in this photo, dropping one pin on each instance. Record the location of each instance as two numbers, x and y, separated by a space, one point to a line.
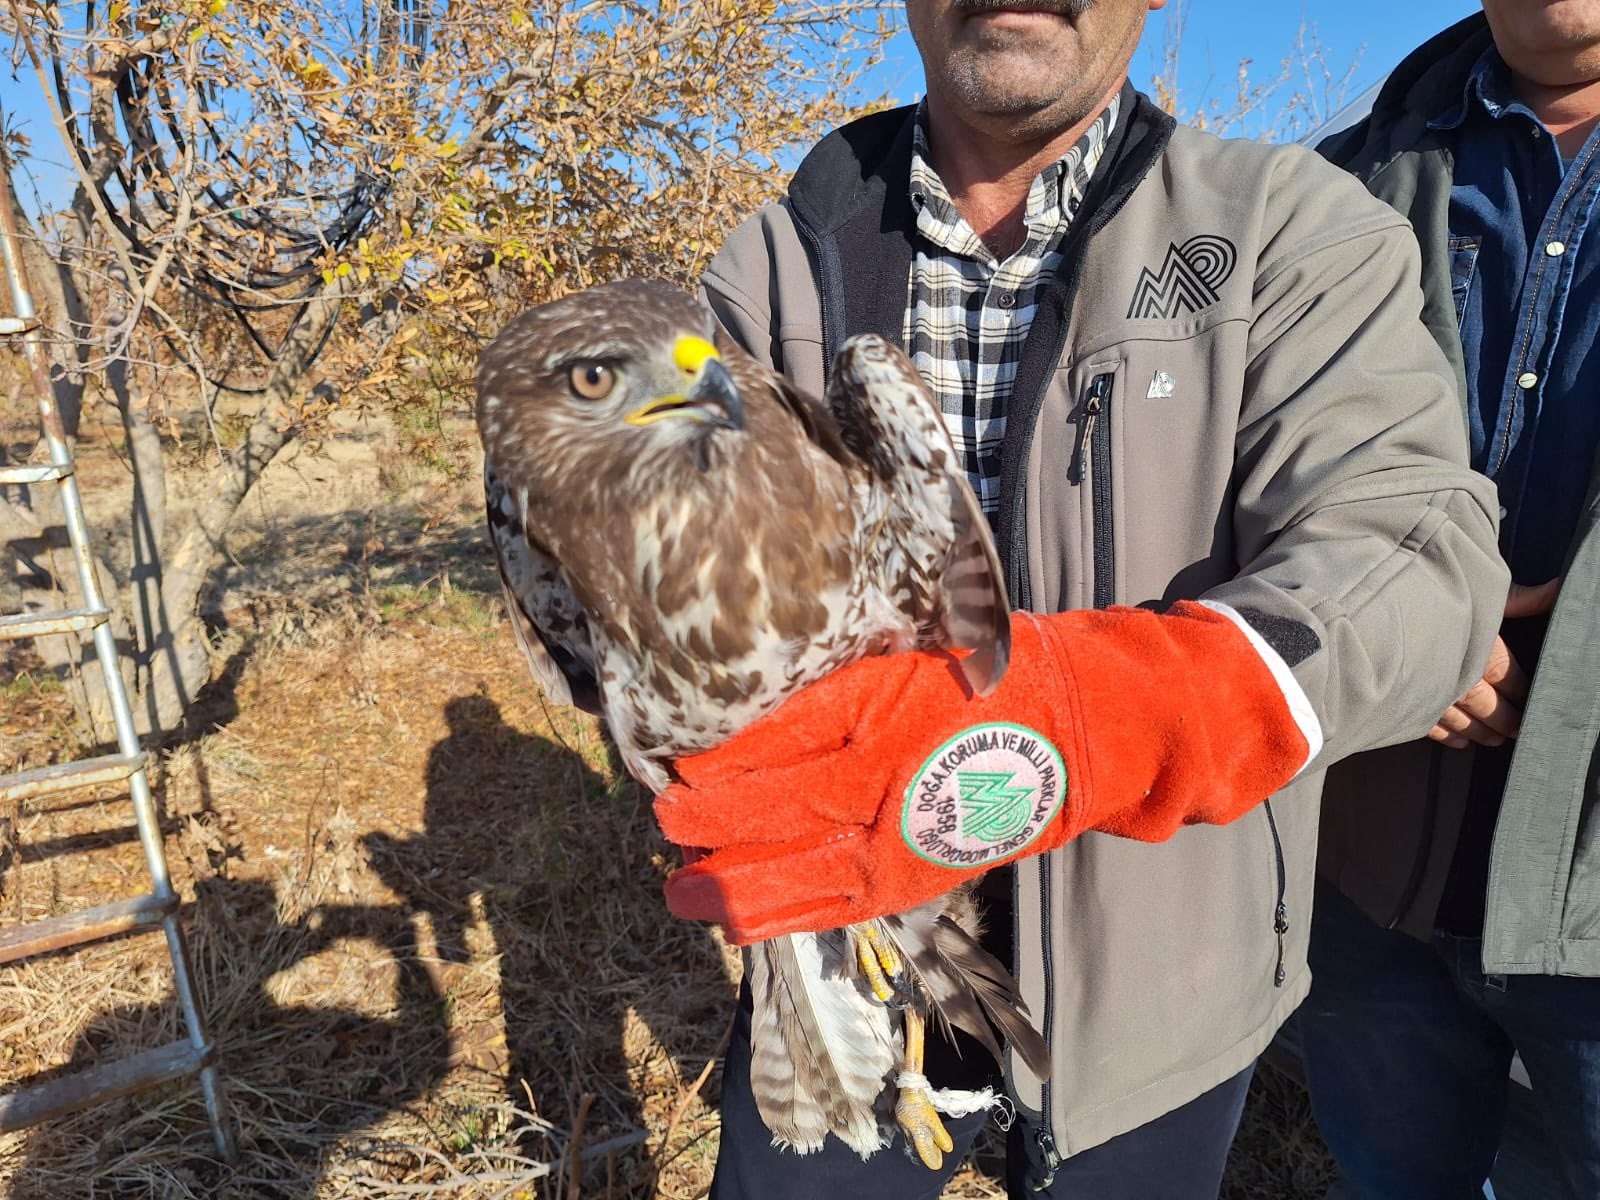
886 783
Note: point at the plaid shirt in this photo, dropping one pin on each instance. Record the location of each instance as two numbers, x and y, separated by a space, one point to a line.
969 313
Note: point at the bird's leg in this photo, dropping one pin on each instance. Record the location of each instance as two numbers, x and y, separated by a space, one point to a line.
914 1111
880 964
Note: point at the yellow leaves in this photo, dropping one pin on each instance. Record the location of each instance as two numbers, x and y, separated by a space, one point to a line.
605 140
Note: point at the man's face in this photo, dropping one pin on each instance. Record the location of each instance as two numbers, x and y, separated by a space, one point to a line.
1026 66
1552 42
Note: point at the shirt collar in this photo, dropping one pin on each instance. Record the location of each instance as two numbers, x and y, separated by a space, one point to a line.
1488 86
1053 196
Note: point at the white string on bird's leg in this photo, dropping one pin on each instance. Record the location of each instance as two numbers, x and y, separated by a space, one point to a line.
955 1102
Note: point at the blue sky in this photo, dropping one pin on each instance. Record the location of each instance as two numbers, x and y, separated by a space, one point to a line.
1373 34
1217 34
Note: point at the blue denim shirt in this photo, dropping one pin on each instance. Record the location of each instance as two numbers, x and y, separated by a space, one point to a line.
1527 294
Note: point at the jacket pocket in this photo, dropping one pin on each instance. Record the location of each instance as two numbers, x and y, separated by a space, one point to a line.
1463 264
1091 464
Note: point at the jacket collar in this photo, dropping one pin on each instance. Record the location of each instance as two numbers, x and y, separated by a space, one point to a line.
1488 86
863 164
1434 76
852 206
852 209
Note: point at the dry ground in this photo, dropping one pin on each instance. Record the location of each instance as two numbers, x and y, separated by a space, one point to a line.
424 908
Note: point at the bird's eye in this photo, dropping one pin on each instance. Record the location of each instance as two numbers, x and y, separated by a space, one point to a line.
592 380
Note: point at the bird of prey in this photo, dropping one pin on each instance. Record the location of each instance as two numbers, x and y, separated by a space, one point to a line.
685 541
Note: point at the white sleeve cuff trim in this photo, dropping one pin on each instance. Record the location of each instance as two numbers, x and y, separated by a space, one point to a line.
1293 694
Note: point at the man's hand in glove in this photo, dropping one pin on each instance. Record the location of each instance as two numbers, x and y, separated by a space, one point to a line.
887 783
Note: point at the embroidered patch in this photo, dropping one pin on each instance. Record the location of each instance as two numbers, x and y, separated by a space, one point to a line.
983 795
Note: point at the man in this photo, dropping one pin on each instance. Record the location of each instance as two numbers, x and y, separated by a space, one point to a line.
1176 367
1483 842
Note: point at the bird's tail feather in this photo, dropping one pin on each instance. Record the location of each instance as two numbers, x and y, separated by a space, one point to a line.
967 986
820 1048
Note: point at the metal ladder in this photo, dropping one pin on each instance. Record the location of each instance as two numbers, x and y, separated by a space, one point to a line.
193 1055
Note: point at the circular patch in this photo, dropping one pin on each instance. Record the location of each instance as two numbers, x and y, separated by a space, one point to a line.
983 795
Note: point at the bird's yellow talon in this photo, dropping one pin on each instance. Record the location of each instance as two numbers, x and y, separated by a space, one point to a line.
878 962
919 1120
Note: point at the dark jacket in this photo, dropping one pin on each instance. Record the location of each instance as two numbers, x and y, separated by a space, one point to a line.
1391 818
1276 432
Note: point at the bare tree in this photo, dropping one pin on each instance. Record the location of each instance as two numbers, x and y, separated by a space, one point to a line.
285 206
1301 91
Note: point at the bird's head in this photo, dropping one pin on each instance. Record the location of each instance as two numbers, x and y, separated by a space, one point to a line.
627 377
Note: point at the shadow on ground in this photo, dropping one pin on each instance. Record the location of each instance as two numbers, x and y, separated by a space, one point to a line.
520 952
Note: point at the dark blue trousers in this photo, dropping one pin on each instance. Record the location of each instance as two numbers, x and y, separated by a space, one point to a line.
1180 1156
1407 1048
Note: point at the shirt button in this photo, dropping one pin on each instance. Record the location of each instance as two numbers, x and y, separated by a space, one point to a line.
1502 512
1526 380
1007 299
1555 249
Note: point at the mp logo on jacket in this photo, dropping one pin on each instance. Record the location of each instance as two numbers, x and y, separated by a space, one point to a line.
1189 280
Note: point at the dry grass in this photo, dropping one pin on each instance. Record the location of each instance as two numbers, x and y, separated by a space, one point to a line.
414 889
425 913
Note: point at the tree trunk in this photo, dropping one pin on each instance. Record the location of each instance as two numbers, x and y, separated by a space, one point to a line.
178 664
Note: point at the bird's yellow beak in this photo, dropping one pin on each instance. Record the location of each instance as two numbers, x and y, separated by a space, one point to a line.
710 397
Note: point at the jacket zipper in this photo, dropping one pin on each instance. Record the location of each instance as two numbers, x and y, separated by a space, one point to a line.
1094 454
1097 408
1280 914
1094 403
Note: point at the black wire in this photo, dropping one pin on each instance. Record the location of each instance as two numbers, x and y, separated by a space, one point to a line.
144 103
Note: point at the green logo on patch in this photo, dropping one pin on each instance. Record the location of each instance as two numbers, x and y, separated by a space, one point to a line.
992 810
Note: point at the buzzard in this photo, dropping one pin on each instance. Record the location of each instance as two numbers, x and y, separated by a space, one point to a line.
685 541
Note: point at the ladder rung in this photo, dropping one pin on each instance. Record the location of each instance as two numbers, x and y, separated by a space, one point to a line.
63 777
90 925
33 474
59 620
95 1085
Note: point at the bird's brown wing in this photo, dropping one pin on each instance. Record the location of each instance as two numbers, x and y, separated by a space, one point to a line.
549 623
955 585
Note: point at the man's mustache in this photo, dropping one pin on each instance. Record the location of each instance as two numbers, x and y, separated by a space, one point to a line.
1061 8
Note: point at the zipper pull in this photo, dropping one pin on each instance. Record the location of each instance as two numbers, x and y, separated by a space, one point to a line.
1094 403
1050 1156
1280 926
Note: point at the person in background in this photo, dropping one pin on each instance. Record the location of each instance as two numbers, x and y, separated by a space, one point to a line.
1458 916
